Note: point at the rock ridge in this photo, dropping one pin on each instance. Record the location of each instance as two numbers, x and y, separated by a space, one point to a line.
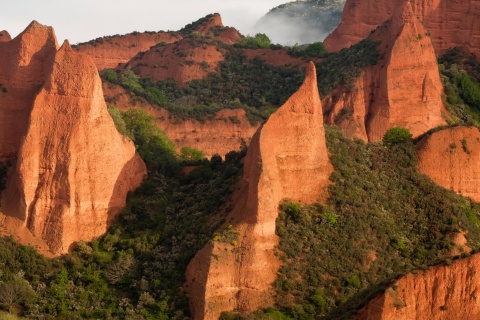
441 292
287 158
449 23
403 89
73 169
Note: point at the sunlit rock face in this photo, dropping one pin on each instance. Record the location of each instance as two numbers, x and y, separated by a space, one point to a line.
451 158
72 169
108 52
402 90
443 292
287 158
449 23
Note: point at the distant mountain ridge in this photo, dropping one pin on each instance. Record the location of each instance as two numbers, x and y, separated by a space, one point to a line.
301 21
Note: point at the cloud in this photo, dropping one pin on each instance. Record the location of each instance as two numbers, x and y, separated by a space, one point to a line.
84 20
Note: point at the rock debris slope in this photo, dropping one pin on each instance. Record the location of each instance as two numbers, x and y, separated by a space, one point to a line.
287 158
73 169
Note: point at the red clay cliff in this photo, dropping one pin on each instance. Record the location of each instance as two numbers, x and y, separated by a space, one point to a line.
449 23
287 158
403 89
108 52
441 293
451 158
73 169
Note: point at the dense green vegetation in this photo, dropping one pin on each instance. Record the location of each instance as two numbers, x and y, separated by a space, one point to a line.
135 270
460 74
344 67
251 84
241 83
383 219
260 40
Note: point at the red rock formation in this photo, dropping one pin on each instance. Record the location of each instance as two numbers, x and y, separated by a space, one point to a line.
183 61
4 36
451 158
73 168
108 52
286 159
219 134
450 23
443 293
208 24
24 64
403 89
228 35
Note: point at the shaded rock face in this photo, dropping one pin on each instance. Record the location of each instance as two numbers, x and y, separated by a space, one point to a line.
73 168
443 293
450 23
451 158
222 133
403 89
287 158
108 52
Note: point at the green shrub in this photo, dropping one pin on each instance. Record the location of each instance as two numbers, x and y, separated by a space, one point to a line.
397 135
189 153
260 40
315 49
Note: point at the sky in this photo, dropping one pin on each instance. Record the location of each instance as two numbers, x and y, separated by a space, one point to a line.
80 21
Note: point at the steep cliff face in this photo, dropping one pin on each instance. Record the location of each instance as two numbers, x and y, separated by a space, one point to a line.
219 134
403 89
451 158
24 64
450 23
108 52
73 168
444 292
286 159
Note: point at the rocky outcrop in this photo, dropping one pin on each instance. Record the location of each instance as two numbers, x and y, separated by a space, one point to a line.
73 168
193 57
183 61
403 89
108 52
25 62
287 158
451 158
449 23
223 132
4 36
443 292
